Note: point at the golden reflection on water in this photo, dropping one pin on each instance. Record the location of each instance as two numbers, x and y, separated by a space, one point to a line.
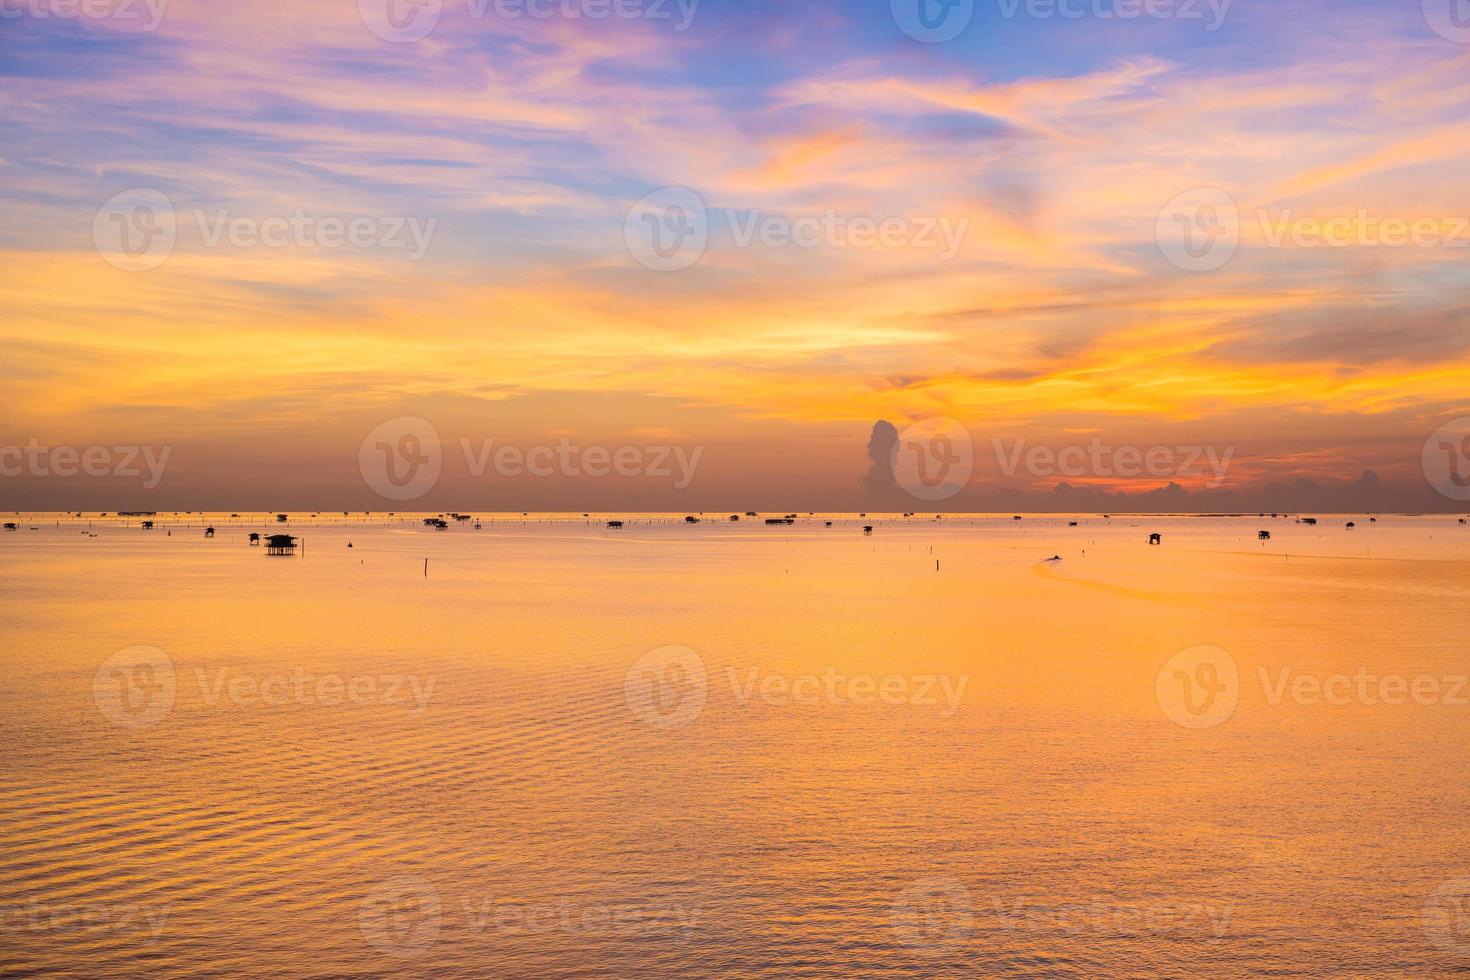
735 750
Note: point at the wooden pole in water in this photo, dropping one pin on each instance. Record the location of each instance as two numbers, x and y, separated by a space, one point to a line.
426 568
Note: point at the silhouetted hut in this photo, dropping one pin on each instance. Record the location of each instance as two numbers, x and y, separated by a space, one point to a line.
735 517
280 544
867 529
691 520
1156 538
780 520
614 523
280 518
10 526
1264 535
147 525
1351 524
254 539
209 532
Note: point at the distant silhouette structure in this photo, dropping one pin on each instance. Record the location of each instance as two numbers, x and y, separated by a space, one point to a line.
254 539
280 544
1156 538
209 532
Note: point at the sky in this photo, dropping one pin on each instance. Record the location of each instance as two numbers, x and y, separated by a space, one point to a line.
718 255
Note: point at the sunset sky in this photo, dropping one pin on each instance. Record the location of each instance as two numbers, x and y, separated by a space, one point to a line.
517 146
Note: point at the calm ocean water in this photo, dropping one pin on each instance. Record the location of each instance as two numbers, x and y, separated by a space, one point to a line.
736 750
